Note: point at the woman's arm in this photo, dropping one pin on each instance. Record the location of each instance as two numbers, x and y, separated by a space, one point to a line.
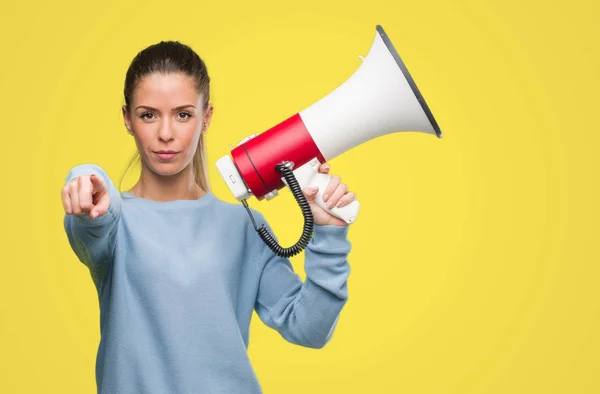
93 239
305 313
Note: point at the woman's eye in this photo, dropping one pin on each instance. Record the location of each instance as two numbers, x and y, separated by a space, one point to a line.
143 116
187 115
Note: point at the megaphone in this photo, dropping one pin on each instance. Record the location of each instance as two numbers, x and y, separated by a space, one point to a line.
379 98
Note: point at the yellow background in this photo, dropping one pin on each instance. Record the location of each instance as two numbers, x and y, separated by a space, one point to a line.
474 264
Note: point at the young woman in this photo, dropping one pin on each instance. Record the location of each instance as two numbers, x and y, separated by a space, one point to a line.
179 271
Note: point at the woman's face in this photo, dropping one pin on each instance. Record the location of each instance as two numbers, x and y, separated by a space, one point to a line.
166 118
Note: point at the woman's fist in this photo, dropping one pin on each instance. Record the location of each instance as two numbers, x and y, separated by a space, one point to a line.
336 194
86 193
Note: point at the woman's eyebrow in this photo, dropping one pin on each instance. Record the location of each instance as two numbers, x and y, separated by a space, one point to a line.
174 109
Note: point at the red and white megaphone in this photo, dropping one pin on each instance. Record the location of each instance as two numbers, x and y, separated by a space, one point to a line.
379 98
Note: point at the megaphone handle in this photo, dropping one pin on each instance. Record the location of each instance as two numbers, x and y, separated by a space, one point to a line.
347 213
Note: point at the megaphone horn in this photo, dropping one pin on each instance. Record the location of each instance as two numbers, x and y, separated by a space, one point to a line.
380 98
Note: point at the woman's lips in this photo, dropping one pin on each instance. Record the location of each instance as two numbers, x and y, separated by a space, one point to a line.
165 156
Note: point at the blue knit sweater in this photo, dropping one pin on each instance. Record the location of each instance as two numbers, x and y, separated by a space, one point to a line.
178 281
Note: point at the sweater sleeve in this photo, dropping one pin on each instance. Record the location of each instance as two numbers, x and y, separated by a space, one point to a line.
93 240
305 313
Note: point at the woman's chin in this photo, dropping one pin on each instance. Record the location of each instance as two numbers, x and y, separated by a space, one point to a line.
166 169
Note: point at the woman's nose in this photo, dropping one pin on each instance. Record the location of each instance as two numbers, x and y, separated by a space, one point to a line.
166 131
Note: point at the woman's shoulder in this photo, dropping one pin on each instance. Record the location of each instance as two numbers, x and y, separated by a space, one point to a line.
237 212
246 220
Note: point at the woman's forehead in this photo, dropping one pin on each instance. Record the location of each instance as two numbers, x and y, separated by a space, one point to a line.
164 88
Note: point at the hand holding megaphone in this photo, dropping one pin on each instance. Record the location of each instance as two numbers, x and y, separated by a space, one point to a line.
332 203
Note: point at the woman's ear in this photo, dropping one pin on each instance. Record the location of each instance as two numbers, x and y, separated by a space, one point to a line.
207 118
127 120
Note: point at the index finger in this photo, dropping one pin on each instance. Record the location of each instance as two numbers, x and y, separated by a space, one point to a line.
98 184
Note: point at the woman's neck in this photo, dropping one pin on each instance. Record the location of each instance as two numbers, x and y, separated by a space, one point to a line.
181 186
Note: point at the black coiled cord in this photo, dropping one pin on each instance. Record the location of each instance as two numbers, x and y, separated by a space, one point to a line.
285 170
